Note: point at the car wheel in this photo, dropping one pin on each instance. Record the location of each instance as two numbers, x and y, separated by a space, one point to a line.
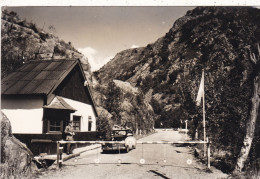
103 151
127 149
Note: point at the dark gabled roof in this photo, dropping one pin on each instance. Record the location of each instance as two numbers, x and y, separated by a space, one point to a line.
37 77
59 103
40 77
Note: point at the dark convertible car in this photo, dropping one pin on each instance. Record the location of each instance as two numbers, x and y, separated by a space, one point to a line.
120 135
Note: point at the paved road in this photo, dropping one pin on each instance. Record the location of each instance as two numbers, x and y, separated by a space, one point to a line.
161 161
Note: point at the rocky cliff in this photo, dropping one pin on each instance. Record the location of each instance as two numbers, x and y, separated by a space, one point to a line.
16 158
224 41
23 41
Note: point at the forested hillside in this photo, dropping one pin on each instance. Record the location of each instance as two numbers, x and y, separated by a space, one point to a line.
123 105
224 41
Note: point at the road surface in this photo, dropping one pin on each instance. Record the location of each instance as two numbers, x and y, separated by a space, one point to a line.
159 161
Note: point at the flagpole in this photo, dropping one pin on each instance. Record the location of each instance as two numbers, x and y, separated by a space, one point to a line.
204 116
201 94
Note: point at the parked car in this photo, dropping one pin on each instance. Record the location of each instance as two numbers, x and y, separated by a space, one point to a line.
120 135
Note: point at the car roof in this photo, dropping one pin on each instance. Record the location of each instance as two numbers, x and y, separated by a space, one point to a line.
122 130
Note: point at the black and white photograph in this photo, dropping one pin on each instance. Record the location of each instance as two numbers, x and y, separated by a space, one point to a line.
130 91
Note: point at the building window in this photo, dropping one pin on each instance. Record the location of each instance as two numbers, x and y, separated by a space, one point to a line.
54 126
89 125
76 123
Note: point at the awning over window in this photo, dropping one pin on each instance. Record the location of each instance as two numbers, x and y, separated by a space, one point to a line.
59 103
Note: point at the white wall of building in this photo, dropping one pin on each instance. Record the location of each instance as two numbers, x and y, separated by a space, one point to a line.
23 121
85 111
25 114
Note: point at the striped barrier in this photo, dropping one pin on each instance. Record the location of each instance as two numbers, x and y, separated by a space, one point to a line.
177 142
138 142
59 149
91 142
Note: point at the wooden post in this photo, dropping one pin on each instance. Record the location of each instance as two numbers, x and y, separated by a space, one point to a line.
59 155
186 126
61 160
208 149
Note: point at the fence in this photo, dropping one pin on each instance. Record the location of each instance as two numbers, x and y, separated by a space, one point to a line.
60 149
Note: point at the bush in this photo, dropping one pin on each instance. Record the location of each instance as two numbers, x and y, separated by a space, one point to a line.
59 50
33 27
44 36
104 128
22 23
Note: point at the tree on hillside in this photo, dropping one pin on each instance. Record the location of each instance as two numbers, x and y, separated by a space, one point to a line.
103 127
251 123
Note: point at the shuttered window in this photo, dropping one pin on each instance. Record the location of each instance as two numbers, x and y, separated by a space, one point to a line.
76 122
55 126
89 123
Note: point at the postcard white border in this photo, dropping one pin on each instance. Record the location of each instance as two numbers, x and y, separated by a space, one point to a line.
130 3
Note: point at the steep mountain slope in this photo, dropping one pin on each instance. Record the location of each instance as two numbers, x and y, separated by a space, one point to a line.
23 41
224 41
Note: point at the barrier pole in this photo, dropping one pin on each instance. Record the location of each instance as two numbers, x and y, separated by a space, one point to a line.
208 149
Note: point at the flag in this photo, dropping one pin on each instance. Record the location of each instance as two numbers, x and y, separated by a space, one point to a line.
201 90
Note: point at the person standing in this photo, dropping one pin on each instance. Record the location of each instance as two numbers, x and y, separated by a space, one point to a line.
69 132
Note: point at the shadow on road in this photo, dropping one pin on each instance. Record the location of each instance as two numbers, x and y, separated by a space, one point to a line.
114 152
158 174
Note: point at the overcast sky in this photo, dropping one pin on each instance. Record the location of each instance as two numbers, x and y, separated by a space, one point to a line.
101 32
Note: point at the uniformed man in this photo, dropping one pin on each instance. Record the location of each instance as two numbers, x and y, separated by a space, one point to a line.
69 132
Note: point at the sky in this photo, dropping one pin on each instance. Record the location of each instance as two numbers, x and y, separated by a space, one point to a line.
101 32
